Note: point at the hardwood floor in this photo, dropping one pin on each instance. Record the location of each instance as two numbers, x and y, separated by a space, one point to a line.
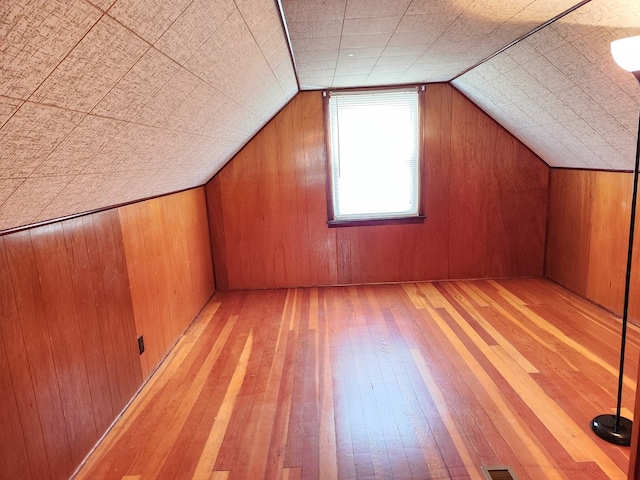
421 380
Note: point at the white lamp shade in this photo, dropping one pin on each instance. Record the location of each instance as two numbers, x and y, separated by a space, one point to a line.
626 53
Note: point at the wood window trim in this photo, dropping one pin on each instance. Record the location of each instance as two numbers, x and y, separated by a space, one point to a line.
400 220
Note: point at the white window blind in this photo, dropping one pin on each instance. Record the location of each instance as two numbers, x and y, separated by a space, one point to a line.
374 154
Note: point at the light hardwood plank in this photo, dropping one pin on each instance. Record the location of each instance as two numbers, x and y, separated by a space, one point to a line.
408 381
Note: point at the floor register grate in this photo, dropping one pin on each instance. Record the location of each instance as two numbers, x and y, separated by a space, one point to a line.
501 472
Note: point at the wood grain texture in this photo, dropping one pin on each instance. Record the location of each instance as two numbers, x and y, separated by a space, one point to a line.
588 235
484 195
415 380
166 241
69 359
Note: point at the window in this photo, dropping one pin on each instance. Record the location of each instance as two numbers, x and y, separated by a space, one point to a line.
374 155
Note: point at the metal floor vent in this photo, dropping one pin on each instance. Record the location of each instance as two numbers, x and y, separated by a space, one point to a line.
500 472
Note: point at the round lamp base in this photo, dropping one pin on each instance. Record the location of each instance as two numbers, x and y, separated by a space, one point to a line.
605 427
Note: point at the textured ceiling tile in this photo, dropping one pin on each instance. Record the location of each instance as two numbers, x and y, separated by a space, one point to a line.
7 187
30 198
263 19
81 194
403 61
353 62
219 60
199 111
103 5
386 70
295 10
137 87
320 60
606 93
572 63
546 40
341 82
586 133
78 149
148 18
311 44
363 41
580 103
366 52
168 99
316 82
349 71
236 123
422 39
610 129
8 106
368 26
31 135
194 27
375 8
402 50
92 69
314 29
555 107
36 35
522 79
130 149
545 72
523 52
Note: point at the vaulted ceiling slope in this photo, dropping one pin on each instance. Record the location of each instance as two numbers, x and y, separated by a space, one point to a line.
558 90
107 101
103 102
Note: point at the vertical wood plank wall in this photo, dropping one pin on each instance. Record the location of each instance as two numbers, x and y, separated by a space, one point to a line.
74 296
588 236
484 195
166 242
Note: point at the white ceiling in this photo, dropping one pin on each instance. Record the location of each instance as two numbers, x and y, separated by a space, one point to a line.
107 101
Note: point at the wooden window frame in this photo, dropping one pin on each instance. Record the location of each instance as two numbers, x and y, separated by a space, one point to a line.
405 219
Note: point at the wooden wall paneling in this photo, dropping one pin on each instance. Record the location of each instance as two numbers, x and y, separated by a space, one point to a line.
312 174
163 248
235 180
39 352
14 462
67 347
152 235
268 223
271 205
498 199
217 234
568 233
634 300
102 299
89 322
199 251
171 275
21 440
119 308
289 150
146 310
431 253
609 239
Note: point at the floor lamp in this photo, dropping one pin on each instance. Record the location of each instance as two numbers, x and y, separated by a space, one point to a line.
615 428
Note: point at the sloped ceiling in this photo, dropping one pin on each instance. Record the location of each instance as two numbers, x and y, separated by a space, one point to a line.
560 92
107 101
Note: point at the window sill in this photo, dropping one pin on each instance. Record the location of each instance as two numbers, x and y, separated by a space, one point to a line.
367 222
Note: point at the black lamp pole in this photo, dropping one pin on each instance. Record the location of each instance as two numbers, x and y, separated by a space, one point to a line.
616 428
